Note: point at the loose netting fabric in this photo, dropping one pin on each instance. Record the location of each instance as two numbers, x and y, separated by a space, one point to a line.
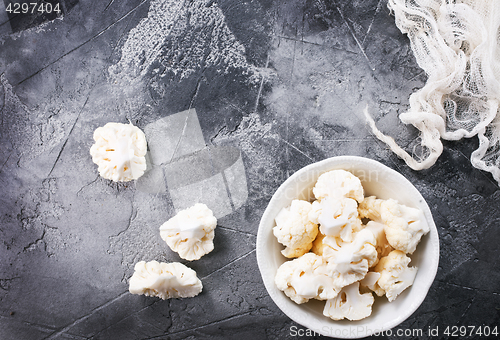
457 44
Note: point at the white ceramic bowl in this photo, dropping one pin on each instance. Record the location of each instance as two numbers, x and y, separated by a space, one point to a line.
378 180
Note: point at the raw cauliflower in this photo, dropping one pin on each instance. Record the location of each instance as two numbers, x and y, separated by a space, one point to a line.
336 217
349 304
383 247
339 184
404 226
305 278
349 261
370 208
294 229
119 151
318 245
395 275
190 233
164 280
369 284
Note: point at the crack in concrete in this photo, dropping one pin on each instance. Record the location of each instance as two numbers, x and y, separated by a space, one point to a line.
467 309
222 130
32 245
483 173
356 140
411 79
232 317
2 76
355 38
71 130
373 20
297 149
128 316
180 137
284 37
109 4
88 184
228 264
237 231
5 283
63 330
37 326
195 92
259 93
293 59
82 44
441 308
133 215
468 288
3 165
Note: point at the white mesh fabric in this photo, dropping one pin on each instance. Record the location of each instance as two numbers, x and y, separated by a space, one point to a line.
457 43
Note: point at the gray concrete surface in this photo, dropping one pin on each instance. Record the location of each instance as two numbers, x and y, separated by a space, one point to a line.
281 84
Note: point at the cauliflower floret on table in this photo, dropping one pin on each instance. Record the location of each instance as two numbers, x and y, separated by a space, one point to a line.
305 278
190 233
349 261
349 304
119 151
294 229
404 226
336 217
338 183
395 275
164 280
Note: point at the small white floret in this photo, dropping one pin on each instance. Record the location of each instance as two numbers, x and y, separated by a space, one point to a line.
404 226
305 278
339 184
190 233
395 275
383 246
294 229
318 245
349 304
336 217
119 151
369 284
349 261
164 280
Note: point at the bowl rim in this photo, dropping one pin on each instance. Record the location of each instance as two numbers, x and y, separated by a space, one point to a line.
333 162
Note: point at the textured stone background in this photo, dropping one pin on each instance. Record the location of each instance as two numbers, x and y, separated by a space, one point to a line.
284 82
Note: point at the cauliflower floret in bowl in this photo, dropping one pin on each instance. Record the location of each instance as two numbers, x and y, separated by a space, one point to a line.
294 229
306 278
384 183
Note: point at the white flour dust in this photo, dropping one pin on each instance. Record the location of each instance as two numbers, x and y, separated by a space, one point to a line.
179 38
